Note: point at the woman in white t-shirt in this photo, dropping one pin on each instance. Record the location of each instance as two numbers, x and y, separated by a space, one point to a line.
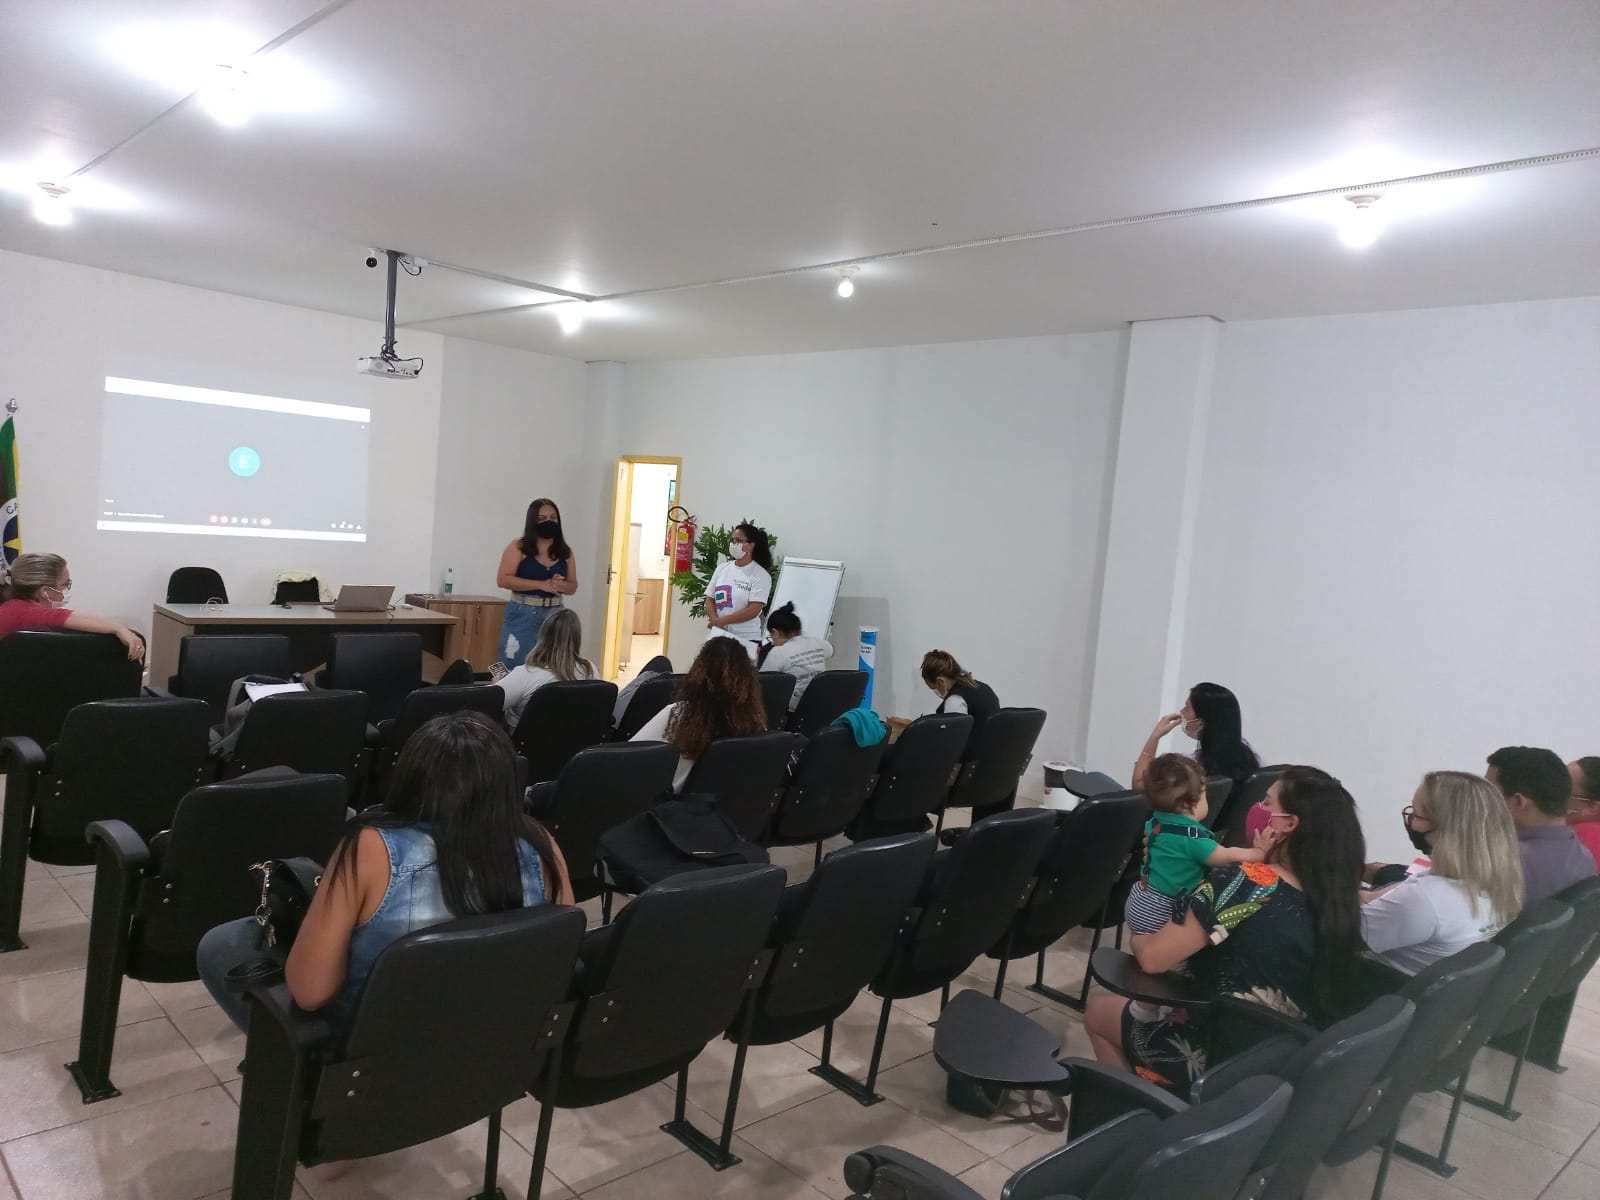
740 588
793 653
1471 891
554 656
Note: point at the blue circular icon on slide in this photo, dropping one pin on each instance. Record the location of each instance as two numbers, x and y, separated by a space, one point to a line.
243 461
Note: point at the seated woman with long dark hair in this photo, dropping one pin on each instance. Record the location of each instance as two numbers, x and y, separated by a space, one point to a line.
1280 932
1211 717
451 840
720 697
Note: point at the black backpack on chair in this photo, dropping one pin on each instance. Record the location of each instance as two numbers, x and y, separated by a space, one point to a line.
683 833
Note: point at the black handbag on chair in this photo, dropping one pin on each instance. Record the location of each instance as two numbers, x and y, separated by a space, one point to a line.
686 833
287 886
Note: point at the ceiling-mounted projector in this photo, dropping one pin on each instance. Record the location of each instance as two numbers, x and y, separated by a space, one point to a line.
389 368
387 364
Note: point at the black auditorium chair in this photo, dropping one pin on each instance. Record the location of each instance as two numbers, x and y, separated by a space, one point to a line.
318 732
386 666
996 757
1332 1073
400 1077
154 900
651 697
195 585
560 719
776 689
1074 885
656 986
747 775
1229 823
1549 1032
457 674
45 675
832 935
1514 1034
1445 995
1203 1153
828 697
419 707
209 664
827 789
129 760
1218 789
915 777
962 908
600 787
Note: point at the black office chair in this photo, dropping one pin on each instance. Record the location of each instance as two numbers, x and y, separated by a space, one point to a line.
209 664
1528 942
129 760
560 719
915 777
1445 996
777 687
652 696
1078 872
45 675
154 900
1203 1153
826 792
832 934
297 591
425 1056
1549 1026
996 757
457 674
195 585
317 732
1229 823
421 706
963 906
747 776
598 789
1332 1074
386 666
828 697
656 985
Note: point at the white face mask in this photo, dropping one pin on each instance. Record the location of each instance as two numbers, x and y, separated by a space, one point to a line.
62 596
1192 728
738 550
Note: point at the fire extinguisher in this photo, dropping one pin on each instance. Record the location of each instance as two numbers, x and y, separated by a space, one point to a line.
683 530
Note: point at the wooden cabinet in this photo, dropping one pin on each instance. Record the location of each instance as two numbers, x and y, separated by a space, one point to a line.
476 633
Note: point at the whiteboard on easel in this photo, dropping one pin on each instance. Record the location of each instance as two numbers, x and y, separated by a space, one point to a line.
813 585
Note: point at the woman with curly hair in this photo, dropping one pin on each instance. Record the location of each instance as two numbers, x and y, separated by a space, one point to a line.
720 697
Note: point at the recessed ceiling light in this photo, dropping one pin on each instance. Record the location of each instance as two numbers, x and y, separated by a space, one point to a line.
50 205
1360 225
571 316
227 95
847 285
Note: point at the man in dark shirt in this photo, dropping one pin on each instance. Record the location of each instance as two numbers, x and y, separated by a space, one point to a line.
1537 786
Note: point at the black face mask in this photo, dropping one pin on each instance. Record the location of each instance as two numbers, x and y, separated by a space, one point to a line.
1419 840
547 529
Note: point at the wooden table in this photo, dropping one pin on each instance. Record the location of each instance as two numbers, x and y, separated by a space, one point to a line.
308 627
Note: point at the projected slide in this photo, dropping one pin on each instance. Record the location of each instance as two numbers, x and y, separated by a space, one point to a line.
196 460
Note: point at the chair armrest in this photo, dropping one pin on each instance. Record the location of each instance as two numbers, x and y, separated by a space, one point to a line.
304 1031
1073 1169
1101 1094
1118 971
23 753
119 839
24 760
1264 1058
901 1176
539 799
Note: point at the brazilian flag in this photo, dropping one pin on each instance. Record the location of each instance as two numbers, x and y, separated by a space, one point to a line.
8 489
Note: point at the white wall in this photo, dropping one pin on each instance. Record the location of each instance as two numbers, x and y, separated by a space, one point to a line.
962 485
67 327
1395 564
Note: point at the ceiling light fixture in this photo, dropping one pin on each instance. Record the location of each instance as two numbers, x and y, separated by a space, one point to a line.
1361 224
50 205
847 285
570 316
226 96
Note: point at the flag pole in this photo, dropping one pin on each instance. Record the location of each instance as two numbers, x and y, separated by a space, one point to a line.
5 565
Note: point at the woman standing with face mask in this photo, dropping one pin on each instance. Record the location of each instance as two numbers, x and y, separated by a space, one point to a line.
539 569
36 595
740 588
1211 717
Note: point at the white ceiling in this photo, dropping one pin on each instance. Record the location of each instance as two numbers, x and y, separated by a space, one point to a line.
617 145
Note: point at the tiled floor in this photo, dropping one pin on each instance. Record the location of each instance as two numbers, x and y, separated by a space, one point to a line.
170 1134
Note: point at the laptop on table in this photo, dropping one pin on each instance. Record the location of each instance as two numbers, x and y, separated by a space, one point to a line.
361 597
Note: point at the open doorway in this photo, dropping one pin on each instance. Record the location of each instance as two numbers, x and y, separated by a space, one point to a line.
639 578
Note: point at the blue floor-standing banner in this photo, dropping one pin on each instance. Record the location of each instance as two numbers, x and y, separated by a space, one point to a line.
865 658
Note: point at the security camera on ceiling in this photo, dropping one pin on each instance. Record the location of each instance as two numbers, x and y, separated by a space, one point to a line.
387 363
